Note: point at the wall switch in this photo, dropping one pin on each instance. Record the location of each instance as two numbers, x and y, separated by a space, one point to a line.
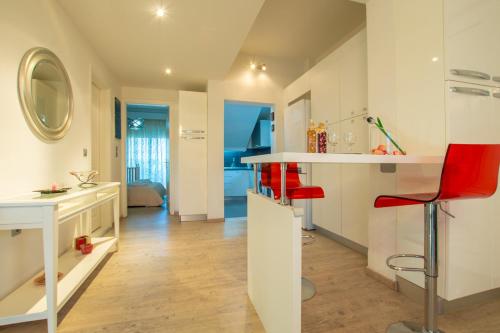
15 232
85 152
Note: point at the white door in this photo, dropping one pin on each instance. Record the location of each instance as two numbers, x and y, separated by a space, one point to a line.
296 122
472 34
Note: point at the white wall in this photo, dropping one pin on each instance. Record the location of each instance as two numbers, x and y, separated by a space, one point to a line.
152 96
28 163
241 85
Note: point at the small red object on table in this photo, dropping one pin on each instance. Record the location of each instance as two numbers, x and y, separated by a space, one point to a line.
82 240
86 248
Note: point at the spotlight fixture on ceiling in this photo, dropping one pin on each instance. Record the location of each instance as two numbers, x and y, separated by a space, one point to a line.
168 71
160 12
259 67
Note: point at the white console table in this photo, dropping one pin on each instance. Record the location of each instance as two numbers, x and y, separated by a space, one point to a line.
30 302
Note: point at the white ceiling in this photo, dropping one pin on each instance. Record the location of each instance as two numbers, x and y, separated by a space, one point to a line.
198 39
302 32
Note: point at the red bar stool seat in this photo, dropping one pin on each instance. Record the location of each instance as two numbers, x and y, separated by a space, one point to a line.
470 171
404 199
305 192
271 177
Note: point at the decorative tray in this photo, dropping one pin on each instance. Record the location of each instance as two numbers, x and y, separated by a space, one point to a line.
50 191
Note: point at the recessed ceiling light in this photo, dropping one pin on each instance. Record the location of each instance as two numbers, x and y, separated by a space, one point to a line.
168 71
160 12
263 67
435 59
253 66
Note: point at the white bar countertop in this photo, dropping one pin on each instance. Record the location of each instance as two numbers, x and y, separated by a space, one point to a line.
343 158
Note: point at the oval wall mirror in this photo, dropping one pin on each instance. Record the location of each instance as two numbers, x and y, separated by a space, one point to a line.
45 94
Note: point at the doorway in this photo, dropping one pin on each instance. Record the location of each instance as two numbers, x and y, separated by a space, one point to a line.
148 155
248 131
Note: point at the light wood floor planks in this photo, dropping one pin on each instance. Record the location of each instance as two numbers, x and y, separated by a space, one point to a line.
191 277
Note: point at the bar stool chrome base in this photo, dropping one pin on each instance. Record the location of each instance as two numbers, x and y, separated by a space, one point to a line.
308 289
408 327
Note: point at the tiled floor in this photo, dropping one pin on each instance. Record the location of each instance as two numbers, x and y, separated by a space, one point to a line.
191 277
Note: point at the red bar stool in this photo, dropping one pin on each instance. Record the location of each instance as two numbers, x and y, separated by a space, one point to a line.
470 171
271 177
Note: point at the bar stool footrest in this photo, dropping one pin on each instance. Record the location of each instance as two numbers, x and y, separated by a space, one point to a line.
404 268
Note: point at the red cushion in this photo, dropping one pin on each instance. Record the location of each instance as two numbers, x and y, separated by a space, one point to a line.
404 199
305 192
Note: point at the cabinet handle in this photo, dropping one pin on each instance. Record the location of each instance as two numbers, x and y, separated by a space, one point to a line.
470 91
469 73
185 137
496 78
187 131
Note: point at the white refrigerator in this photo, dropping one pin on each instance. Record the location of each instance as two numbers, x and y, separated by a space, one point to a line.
296 122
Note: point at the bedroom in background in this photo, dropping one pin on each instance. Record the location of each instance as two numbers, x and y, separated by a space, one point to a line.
148 155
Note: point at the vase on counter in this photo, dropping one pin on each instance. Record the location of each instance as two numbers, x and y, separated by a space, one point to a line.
311 138
322 138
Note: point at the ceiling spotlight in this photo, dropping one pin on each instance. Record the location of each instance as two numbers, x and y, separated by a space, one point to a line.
261 67
168 71
160 12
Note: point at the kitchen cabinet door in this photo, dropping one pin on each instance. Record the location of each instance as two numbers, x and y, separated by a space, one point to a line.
472 117
470 114
355 182
355 202
472 32
325 90
326 212
354 77
237 182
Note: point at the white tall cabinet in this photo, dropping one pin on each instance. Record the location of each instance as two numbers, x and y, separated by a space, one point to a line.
192 164
338 86
436 82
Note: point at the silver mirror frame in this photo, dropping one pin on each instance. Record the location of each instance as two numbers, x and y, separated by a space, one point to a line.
24 79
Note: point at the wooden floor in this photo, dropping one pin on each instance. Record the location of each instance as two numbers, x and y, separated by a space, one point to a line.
170 277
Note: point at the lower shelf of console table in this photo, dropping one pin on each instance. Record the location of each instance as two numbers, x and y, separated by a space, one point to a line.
28 302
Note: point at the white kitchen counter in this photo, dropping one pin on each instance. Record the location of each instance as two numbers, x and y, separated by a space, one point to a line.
282 217
343 158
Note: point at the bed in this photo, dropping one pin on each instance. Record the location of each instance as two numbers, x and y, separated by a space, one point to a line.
143 192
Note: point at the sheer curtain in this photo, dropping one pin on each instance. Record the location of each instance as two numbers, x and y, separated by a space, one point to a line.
148 147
